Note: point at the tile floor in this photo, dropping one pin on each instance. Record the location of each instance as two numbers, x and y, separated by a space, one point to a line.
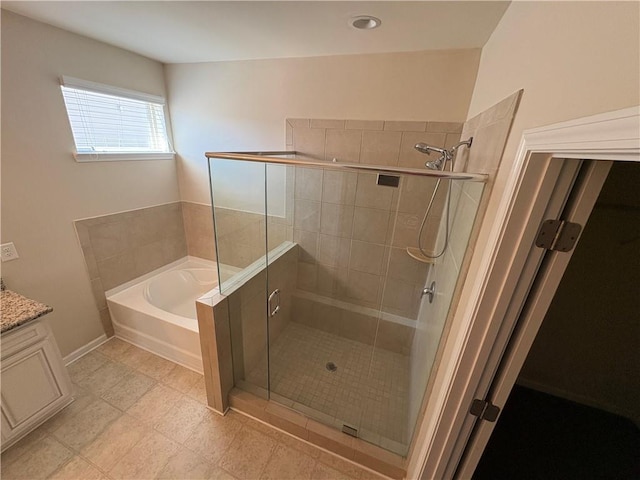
369 390
138 416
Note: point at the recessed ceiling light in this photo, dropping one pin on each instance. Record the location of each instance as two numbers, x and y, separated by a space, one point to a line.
365 22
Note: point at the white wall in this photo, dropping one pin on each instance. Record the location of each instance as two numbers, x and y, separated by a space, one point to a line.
573 59
231 106
43 188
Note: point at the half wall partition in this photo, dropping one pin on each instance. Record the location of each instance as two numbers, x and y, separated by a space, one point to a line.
337 300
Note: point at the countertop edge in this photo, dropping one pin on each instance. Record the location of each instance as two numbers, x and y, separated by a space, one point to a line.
18 310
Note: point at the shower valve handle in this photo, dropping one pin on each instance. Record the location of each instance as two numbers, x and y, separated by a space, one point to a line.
430 291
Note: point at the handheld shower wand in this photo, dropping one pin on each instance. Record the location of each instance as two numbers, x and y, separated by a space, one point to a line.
438 164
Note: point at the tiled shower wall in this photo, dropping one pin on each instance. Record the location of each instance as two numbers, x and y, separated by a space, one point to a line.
248 314
352 232
122 246
198 230
241 235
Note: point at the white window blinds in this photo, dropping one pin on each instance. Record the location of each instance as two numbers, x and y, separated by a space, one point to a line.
111 122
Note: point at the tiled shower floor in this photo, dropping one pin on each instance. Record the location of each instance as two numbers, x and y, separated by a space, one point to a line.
369 393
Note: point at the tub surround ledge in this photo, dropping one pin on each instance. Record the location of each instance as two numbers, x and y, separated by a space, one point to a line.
18 310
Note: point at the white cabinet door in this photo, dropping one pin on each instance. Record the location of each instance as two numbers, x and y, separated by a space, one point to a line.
35 384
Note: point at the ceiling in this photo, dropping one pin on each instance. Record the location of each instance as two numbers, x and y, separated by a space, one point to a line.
205 31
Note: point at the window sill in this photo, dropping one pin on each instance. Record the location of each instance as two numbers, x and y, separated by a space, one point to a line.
122 157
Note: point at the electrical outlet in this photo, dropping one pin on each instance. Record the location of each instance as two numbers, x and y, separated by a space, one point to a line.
8 252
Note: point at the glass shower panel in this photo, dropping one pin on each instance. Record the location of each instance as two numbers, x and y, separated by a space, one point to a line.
443 274
282 258
238 190
329 272
239 206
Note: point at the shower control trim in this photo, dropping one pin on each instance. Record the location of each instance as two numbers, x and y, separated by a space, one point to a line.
430 291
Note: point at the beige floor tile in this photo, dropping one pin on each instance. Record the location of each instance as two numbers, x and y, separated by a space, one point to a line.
22 447
156 367
199 392
186 465
85 365
113 348
44 458
102 379
134 357
248 454
112 444
146 459
268 430
77 469
154 404
324 472
212 437
181 419
82 398
340 464
85 426
287 463
129 390
181 378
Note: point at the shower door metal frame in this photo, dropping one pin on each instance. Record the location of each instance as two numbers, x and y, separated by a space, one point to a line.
275 157
487 302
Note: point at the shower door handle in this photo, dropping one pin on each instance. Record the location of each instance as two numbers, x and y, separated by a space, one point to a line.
275 294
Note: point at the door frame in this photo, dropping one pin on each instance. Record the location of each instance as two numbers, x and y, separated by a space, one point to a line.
498 283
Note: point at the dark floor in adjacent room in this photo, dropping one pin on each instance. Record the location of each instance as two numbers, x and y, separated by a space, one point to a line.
539 436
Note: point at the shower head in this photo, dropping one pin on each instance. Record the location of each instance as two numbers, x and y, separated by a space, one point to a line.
445 155
427 149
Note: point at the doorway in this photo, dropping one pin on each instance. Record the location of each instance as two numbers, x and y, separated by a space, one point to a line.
575 409
500 280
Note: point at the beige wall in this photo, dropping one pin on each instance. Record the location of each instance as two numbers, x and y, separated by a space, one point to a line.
43 189
122 246
572 59
242 105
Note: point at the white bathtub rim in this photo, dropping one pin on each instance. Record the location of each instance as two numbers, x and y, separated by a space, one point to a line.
157 287
187 260
131 294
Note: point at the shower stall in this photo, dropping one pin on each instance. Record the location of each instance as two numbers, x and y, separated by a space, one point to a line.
332 312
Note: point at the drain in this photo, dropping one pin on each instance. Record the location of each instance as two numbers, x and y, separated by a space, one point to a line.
332 367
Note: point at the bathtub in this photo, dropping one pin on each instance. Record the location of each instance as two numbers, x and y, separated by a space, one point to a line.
157 311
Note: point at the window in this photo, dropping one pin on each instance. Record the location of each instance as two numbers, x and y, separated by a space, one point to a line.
110 123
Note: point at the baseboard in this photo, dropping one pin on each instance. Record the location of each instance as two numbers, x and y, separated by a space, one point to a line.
82 351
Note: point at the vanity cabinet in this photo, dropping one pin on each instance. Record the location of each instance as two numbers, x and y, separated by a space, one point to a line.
35 382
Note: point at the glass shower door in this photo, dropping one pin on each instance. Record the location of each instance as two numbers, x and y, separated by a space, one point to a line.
328 288
238 192
321 352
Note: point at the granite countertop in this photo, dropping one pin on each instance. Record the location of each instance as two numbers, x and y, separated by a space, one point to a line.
18 310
